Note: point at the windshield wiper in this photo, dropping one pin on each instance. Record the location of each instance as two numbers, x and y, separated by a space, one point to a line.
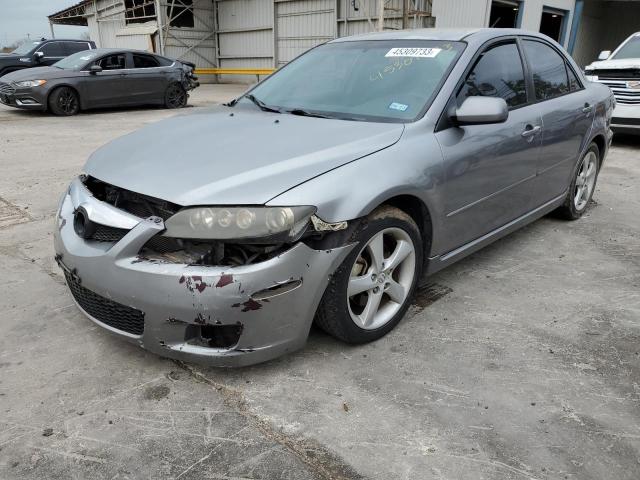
260 104
306 113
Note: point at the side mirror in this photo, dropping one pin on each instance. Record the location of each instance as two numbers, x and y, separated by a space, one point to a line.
481 110
38 56
604 54
95 69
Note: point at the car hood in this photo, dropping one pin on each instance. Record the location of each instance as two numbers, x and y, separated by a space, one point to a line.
615 64
235 155
37 73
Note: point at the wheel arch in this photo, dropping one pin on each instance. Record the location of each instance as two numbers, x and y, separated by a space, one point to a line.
419 212
601 143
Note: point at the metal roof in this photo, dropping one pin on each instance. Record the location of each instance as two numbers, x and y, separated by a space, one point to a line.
73 15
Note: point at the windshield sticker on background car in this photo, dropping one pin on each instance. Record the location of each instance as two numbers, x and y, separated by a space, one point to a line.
398 106
413 52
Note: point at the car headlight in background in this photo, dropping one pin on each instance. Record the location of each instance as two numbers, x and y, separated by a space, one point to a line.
267 224
591 78
30 83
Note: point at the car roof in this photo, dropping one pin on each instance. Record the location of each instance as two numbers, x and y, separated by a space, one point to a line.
450 34
101 51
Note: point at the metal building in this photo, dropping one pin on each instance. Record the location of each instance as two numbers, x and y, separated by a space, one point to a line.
228 36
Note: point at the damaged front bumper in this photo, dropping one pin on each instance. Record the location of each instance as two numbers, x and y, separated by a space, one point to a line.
221 316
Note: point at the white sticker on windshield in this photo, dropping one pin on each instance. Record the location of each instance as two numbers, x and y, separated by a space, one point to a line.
398 106
413 52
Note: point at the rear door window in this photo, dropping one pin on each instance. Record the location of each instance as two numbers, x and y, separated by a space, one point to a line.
548 68
75 47
144 61
497 73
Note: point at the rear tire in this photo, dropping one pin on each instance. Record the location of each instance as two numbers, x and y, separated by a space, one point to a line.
371 291
175 96
582 186
64 101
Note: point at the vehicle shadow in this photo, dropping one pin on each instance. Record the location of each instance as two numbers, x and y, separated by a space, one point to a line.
26 114
626 140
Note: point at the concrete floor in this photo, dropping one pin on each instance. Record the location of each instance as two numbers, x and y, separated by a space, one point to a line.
525 365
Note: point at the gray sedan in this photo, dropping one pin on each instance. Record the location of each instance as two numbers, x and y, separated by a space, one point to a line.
100 78
328 190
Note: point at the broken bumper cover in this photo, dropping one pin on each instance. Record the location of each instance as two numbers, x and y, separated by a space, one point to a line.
177 300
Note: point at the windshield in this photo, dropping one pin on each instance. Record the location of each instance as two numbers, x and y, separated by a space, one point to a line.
76 61
631 49
26 47
391 80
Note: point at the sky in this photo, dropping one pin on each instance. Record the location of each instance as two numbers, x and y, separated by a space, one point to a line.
21 17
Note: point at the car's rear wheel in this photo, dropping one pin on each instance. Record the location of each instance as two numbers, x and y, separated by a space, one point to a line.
582 186
175 96
371 291
64 101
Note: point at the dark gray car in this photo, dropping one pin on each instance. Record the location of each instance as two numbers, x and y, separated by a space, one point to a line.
328 191
100 78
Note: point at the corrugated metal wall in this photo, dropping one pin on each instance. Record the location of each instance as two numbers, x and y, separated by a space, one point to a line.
248 33
301 25
244 29
461 13
197 44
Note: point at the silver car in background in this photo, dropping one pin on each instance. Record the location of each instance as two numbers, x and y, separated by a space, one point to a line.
328 190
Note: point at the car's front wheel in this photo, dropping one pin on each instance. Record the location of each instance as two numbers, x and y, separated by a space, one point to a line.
64 101
582 186
371 291
175 96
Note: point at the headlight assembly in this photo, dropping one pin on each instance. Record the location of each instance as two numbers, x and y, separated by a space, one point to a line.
30 83
264 224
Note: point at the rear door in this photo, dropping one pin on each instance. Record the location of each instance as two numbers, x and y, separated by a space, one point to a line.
147 79
489 169
108 87
567 116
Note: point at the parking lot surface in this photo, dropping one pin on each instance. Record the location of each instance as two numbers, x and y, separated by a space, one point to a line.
520 362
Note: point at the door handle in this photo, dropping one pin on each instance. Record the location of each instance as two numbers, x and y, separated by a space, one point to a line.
530 131
587 108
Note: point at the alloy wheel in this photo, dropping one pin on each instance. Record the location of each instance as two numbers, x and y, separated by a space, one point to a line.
176 96
381 278
67 101
585 181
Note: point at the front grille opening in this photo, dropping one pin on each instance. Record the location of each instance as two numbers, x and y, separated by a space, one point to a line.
172 250
104 233
114 314
214 336
137 204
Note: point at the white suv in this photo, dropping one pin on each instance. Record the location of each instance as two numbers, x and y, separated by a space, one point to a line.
620 71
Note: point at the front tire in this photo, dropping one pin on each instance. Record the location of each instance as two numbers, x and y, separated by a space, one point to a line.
582 186
64 101
175 96
371 291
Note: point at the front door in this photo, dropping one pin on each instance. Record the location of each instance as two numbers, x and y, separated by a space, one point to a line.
52 52
567 115
108 87
489 169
